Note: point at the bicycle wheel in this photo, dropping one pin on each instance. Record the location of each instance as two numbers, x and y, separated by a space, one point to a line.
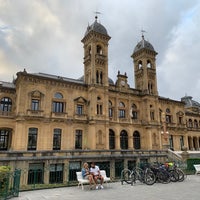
126 176
150 177
174 176
163 177
139 174
182 175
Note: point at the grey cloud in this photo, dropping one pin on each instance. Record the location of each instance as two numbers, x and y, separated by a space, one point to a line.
45 36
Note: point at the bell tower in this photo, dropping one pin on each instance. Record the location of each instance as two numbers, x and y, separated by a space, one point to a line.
144 58
96 54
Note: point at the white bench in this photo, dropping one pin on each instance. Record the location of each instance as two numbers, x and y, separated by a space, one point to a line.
197 168
82 181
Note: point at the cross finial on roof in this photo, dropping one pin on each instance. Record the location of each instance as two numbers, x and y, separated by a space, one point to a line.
143 31
97 13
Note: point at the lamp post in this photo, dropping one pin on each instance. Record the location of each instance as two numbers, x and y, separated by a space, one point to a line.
164 133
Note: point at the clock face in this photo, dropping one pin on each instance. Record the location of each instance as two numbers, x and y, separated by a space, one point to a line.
123 83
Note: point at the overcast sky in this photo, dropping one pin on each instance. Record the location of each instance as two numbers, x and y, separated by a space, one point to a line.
45 36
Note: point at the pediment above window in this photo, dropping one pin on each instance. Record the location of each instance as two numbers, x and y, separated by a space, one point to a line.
36 94
80 100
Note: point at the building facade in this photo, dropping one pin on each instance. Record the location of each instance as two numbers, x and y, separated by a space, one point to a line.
54 122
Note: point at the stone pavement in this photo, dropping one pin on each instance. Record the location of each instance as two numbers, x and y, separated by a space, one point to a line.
189 189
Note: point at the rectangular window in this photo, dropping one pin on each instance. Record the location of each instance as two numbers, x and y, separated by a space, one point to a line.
56 173
4 139
79 109
171 142
78 139
180 120
110 112
6 104
58 107
134 115
36 173
32 138
168 119
57 139
152 115
99 109
35 104
121 113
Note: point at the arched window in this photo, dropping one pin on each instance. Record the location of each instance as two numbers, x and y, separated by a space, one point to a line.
6 104
58 95
122 113
99 50
136 140
123 140
139 64
58 103
190 123
149 65
111 139
195 124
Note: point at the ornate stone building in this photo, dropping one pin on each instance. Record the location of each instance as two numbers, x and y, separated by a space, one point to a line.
56 123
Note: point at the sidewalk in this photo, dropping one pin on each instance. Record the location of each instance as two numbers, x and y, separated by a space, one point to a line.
189 189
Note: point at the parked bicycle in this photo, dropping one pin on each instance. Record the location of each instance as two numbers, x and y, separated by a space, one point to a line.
143 175
172 166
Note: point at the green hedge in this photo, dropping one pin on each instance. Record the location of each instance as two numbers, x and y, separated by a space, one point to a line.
4 170
191 162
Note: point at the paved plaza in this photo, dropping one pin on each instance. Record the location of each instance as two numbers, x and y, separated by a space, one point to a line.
186 190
